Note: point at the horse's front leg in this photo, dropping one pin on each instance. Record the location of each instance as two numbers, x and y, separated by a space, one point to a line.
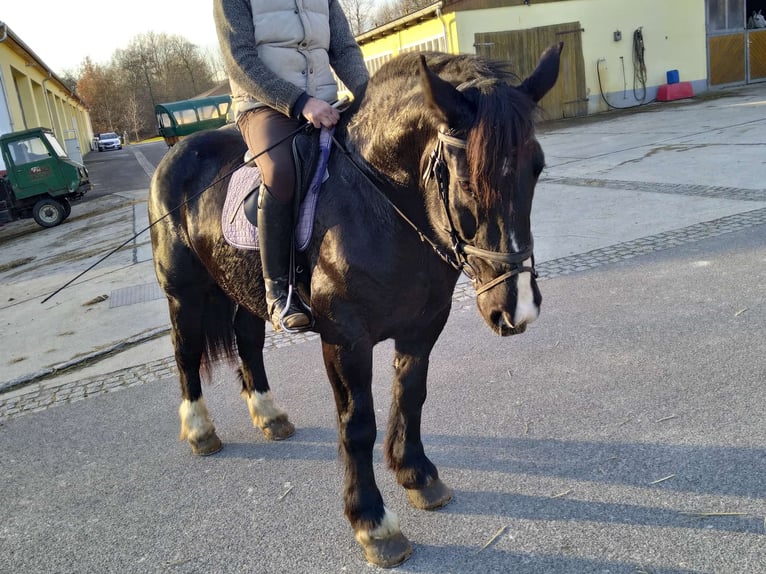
404 447
376 528
265 413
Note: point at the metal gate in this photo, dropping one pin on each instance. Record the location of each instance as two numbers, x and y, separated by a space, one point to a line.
522 50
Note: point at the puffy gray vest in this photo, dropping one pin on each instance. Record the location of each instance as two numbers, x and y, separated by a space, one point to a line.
292 38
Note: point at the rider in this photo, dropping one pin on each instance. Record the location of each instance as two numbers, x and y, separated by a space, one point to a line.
278 55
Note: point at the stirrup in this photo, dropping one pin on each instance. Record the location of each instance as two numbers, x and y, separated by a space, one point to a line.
305 309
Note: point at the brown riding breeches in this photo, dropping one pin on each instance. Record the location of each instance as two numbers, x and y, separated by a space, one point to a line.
262 128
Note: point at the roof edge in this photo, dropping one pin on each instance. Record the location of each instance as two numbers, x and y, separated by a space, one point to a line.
7 33
402 22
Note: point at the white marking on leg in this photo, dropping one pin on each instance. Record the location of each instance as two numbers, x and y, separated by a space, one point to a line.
526 311
387 528
263 408
195 420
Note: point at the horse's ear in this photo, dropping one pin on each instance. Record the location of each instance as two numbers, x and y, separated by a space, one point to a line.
545 75
442 97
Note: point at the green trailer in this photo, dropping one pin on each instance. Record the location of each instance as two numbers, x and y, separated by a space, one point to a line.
176 120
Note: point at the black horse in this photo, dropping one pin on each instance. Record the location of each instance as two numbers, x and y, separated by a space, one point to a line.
435 176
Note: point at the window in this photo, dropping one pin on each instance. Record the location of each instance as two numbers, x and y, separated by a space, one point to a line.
185 117
54 143
208 112
725 15
28 150
164 120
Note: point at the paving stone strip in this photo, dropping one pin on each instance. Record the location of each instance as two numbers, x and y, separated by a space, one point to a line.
38 396
717 192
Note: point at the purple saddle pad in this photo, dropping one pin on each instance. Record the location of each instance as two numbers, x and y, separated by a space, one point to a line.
237 229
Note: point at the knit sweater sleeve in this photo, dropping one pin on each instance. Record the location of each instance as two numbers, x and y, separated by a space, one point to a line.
236 36
345 54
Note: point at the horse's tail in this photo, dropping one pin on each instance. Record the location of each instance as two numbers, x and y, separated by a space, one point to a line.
201 312
217 330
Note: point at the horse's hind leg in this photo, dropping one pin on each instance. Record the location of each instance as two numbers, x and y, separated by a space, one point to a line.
266 414
404 447
188 341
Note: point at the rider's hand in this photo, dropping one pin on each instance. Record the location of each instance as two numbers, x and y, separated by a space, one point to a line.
320 113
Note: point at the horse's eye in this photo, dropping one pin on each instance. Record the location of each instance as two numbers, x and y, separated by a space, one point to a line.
465 186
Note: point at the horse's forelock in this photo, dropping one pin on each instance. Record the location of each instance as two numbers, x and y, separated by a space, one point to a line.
504 120
392 114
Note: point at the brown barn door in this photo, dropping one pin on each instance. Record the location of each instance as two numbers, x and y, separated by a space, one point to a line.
522 50
756 55
726 42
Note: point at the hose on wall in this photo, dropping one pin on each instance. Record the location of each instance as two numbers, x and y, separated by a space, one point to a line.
639 73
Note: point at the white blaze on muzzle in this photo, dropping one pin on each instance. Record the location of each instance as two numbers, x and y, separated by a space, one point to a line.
526 310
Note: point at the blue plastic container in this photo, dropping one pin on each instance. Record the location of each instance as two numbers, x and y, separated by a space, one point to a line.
673 77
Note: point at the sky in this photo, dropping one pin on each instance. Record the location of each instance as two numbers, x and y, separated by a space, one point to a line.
63 34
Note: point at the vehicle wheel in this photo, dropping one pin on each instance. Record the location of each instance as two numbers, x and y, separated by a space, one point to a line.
48 212
67 207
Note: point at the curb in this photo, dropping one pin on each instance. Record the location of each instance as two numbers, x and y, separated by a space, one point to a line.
84 359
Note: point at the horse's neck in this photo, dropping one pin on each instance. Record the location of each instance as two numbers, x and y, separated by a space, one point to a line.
393 147
399 187
395 150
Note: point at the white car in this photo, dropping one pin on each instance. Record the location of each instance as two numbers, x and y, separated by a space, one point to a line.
109 140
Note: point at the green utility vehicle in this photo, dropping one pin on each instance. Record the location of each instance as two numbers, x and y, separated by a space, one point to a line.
39 179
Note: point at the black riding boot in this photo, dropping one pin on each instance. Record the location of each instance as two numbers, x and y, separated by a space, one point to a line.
275 228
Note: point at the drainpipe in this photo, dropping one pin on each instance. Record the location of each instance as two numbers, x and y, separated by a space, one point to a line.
48 102
444 27
3 36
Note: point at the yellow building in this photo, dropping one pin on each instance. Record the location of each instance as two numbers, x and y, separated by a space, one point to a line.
31 96
616 52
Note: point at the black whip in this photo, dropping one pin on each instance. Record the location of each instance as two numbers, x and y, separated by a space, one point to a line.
179 206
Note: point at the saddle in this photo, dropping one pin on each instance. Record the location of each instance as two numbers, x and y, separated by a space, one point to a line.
311 151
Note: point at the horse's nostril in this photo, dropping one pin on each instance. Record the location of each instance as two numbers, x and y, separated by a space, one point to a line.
502 319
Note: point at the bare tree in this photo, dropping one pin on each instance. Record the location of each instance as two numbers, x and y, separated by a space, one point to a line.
214 60
395 9
190 66
69 77
358 14
132 117
158 68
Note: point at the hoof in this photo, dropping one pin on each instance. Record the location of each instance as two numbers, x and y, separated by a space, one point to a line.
278 429
387 552
433 496
211 444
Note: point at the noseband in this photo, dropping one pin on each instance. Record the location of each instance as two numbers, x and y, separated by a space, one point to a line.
437 168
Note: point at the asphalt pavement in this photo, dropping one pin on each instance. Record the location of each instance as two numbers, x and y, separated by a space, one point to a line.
622 433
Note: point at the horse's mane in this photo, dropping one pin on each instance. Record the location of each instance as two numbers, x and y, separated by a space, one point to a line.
393 122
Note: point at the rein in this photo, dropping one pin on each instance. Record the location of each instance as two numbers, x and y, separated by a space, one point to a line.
458 257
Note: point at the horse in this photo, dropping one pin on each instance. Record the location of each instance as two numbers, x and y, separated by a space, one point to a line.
432 176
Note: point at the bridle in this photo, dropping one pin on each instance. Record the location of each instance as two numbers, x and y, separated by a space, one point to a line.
460 249
438 169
